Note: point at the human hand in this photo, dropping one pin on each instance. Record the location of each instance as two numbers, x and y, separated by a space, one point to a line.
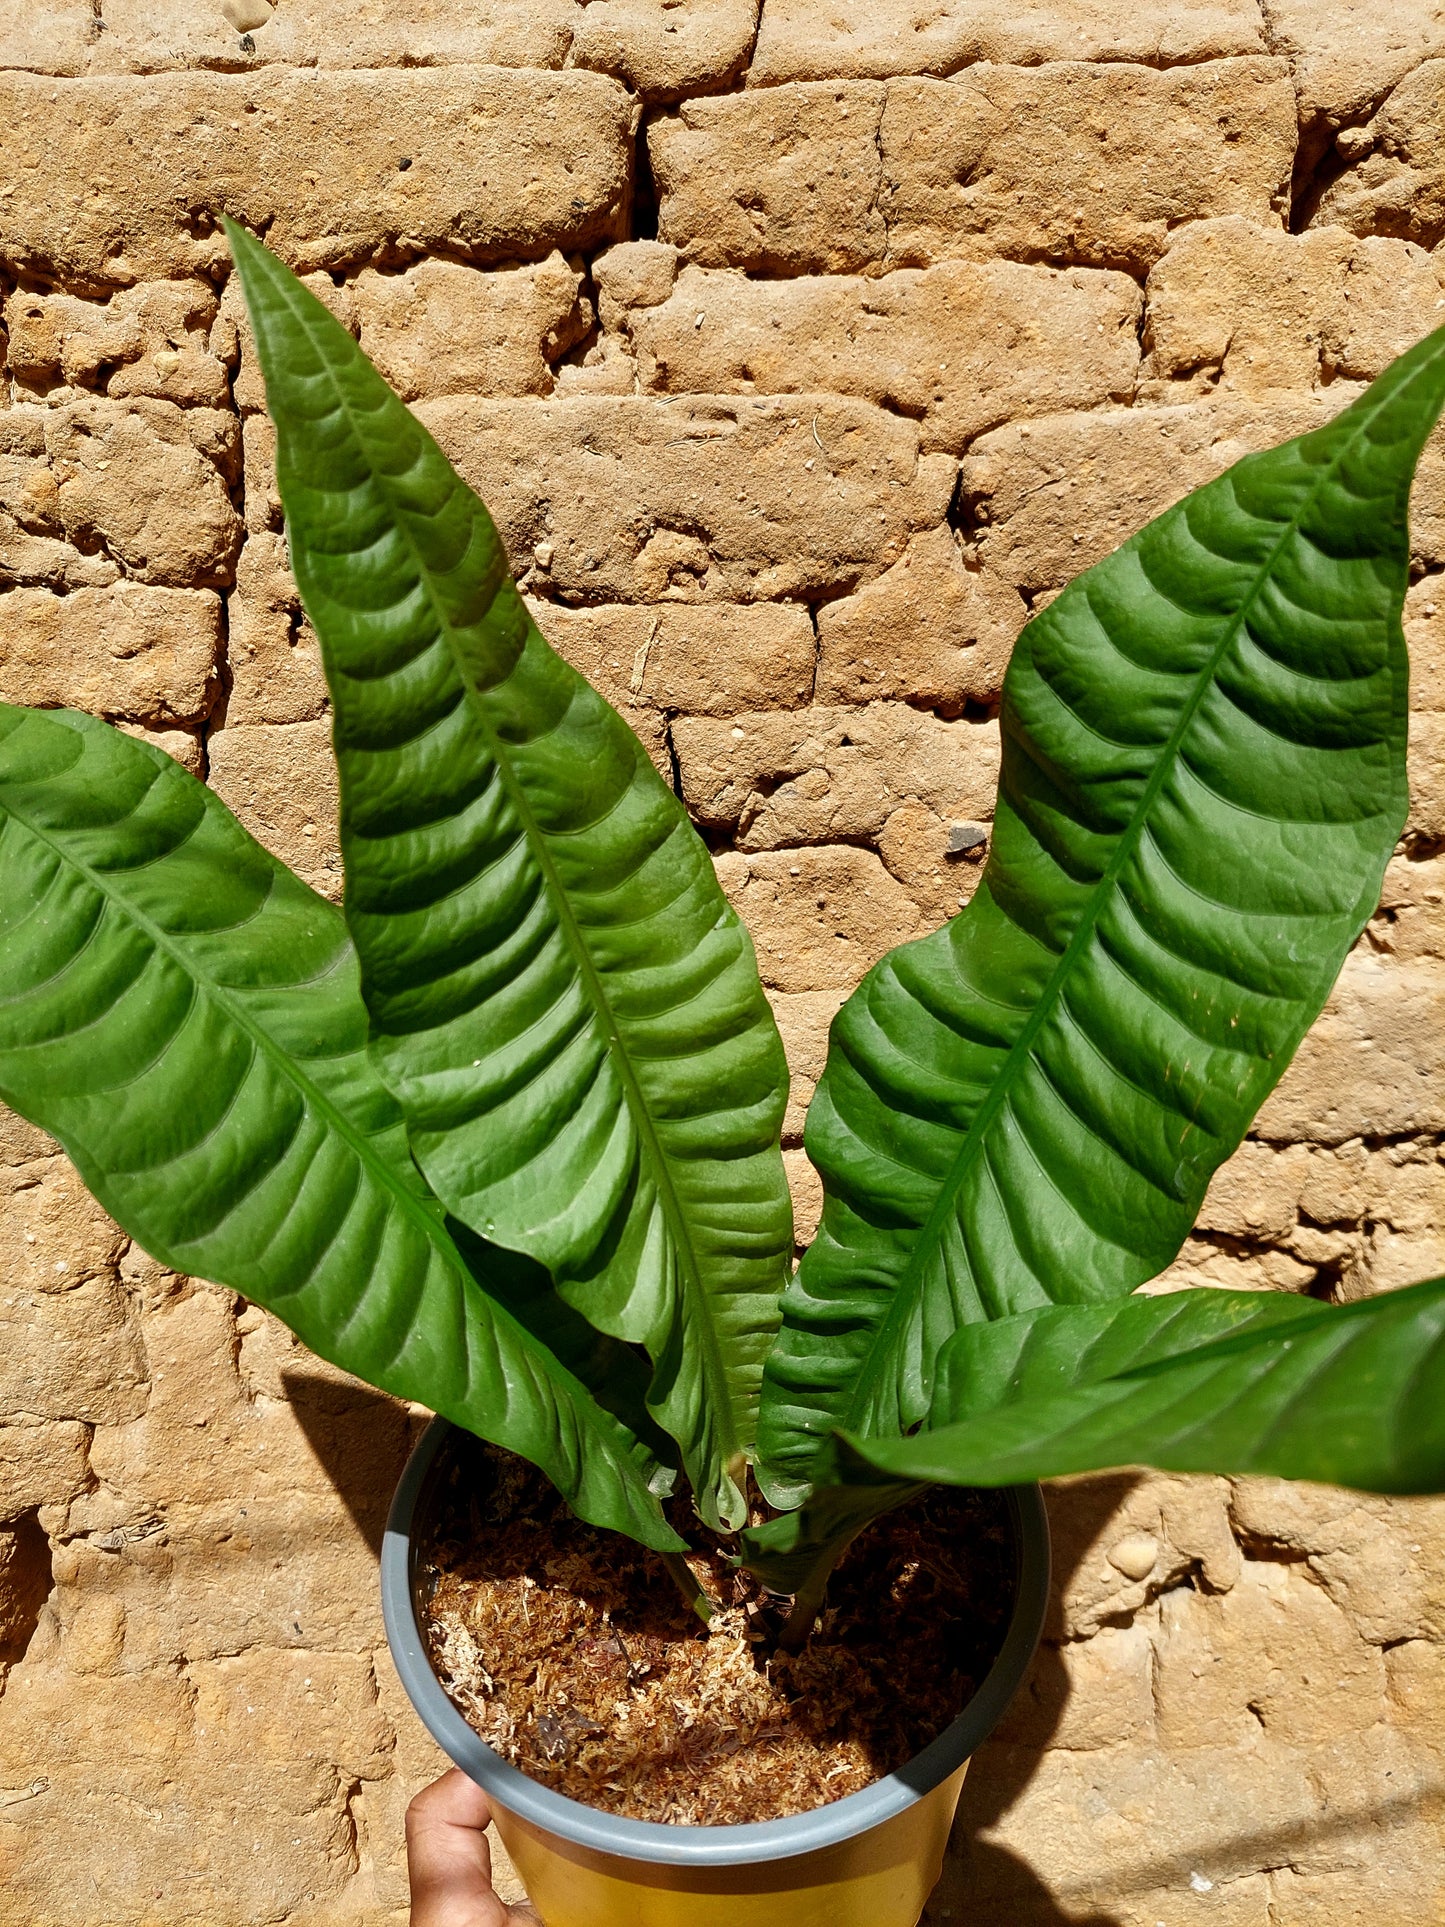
449 1859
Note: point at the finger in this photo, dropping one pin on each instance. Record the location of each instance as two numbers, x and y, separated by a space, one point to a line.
448 1857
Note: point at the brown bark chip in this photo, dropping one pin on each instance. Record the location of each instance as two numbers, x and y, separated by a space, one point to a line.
570 1651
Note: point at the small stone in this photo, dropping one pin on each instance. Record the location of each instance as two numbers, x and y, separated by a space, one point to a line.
1134 1556
152 654
830 774
1024 339
444 328
964 837
1396 184
647 499
827 39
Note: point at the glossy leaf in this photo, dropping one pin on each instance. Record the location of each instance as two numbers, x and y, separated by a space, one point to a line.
1203 777
185 1016
616 1374
561 997
1195 1381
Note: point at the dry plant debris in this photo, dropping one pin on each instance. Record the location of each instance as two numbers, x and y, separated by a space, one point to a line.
572 1654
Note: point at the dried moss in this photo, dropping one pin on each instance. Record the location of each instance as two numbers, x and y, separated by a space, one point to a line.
570 1652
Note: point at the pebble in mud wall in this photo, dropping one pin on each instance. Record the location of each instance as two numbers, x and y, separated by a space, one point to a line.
798 358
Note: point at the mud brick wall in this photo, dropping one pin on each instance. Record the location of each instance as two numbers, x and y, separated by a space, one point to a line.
799 357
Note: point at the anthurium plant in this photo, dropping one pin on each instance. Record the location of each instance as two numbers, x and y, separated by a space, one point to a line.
502 1134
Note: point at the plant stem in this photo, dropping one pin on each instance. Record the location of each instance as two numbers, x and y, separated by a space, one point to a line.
685 1580
793 1556
802 1615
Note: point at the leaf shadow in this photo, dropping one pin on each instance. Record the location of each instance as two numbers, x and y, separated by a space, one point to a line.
984 1883
361 1439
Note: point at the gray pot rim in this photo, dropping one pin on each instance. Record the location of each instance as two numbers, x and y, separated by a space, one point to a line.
689 1846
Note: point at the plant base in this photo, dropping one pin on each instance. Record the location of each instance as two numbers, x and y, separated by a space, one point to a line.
571 1654
868 1860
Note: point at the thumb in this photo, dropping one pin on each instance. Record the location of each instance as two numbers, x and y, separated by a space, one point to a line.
449 1859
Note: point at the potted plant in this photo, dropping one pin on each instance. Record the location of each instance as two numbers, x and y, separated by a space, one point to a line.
503 1136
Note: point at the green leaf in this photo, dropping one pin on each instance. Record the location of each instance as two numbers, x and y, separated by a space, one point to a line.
560 995
1193 1381
1203 778
616 1374
797 1551
185 1016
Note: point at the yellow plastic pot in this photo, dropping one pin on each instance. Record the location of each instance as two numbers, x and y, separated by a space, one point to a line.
869 1860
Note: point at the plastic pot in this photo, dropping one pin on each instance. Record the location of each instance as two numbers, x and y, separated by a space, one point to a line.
869 1860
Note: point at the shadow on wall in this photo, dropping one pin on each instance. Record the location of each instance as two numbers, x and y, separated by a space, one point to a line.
361 1439
983 1883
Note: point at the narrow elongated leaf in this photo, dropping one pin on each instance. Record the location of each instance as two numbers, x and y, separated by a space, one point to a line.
560 996
185 1016
1197 1381
1203 778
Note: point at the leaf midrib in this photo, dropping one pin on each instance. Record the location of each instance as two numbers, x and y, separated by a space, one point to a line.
414 1207
1273 1342
909 1279
721 1407
235 1009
